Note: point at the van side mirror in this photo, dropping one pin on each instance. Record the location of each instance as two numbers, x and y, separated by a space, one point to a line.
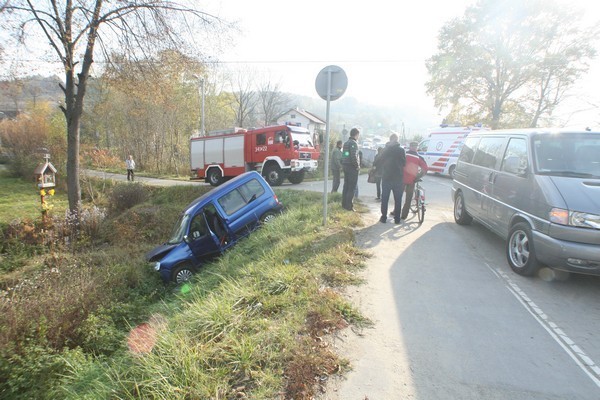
186 239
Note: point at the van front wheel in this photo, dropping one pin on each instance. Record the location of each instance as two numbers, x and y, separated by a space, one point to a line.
520 251
182 273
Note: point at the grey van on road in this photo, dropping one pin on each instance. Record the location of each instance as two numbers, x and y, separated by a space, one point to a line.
537 188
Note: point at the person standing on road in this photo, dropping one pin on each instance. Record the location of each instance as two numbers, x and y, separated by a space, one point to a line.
130 165
336 166
415 168
359 167
378 172
392 161
351 165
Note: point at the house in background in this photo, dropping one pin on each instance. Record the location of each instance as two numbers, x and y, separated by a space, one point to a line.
303 118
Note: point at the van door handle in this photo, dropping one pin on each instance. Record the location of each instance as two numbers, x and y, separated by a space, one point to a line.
492 177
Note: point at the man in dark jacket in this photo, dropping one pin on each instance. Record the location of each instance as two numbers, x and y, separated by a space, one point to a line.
391 161
336 166
351 165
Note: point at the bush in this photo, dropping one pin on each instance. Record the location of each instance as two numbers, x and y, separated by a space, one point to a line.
30 373
125 196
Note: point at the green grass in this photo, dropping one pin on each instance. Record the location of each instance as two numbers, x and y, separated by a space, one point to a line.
20 199
248 324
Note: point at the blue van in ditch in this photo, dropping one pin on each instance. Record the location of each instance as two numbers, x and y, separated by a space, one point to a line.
214 222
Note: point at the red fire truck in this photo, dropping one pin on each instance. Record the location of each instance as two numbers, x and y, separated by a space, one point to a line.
276 152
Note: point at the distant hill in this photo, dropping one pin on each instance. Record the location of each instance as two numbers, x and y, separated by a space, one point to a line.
14 95
346 112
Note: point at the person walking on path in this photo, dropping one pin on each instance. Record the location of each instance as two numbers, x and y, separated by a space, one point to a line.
351 165
378 172
336 166
415 168
392 162
130 165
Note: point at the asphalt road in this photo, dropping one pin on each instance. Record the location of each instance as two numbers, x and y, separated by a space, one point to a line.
452 321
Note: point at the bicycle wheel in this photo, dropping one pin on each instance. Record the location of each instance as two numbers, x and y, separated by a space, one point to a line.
414 204
421 207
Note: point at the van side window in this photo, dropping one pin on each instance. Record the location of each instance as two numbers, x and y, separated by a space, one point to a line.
198 227
468 150
252 190
515 158
232 201
238 198
261 139
489 152
423 146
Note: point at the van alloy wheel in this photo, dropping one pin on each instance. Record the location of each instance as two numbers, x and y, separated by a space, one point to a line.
520 251
267 217
182 273
461 216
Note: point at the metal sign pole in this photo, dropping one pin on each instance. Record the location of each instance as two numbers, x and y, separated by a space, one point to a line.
330 87
326 166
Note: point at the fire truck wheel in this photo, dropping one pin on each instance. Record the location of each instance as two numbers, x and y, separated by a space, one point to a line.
214 177
296 177
273 175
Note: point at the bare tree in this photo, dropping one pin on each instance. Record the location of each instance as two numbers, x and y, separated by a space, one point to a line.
272 101
244 97
73 29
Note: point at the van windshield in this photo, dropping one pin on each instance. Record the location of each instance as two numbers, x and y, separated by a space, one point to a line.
567 154
179 230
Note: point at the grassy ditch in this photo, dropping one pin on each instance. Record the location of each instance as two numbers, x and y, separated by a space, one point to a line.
92 320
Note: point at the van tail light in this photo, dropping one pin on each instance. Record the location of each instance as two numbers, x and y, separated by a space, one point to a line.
276 199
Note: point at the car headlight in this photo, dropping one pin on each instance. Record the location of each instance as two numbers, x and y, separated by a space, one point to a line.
157 266
585 220
574 218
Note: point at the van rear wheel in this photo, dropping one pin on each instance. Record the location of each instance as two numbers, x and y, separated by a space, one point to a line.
267 217
461 216
520 251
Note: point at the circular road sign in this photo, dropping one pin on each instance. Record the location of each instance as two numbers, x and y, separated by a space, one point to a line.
339 82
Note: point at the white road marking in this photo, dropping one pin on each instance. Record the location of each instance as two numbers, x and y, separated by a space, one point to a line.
575 352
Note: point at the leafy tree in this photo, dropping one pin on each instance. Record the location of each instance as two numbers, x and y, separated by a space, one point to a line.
72 29
509 62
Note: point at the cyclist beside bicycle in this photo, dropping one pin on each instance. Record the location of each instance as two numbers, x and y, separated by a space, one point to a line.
415 168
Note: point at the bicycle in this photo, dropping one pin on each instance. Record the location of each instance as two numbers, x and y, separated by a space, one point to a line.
417 205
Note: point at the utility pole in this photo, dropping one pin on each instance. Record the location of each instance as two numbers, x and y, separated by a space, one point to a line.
202 131
201 92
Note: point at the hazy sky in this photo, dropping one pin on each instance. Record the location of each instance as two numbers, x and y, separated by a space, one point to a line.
382 46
